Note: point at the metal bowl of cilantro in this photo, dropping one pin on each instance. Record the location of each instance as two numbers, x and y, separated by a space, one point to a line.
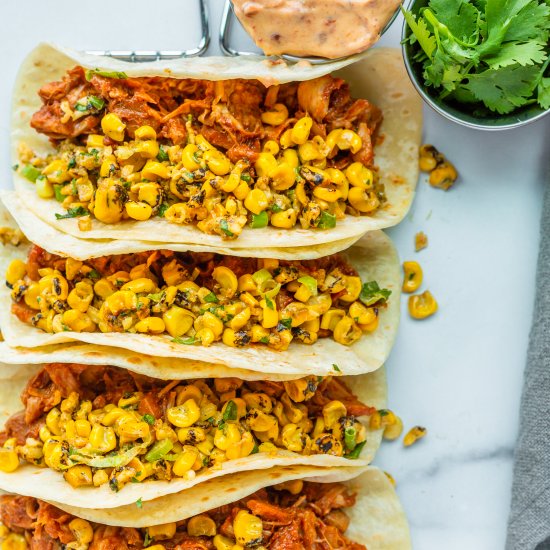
481 63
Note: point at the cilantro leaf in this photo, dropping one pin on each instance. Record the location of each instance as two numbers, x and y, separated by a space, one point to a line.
528 53
460 17
420 33
73 213
505 89
371 293
544 93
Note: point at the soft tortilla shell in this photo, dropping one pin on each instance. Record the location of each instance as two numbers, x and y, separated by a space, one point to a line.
44 483
374 256
377 519
379 76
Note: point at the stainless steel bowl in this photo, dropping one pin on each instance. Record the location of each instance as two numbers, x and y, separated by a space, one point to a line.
491 122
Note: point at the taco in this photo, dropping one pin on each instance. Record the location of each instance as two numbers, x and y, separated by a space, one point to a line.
106 436
263 315
362 514
204 154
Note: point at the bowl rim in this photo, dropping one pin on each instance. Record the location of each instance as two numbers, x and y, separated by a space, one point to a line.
440 110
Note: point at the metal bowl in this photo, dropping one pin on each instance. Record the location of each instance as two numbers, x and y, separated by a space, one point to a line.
462 116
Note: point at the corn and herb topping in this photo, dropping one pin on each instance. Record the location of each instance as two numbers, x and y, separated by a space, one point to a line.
117 427
218 156
197 298
261 521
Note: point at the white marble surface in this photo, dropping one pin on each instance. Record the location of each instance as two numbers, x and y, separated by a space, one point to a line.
459 373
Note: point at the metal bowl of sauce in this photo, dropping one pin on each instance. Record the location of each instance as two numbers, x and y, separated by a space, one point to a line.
317 31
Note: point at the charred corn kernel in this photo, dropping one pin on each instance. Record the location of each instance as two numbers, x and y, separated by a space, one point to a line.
412 278
308 151
265 164
104 288
242 448
177 321
362 314
185 460
14 541
282 177
113 127
331 318
103 439
260 401
348 139
242 190
290 157
210 321
227 436
44 434
131 430
327 444
100 478
286 139
191 436
81 296
382 419
190 157
338 178
256 201
353 288
276 115
248 529
413 435
217 162
302 389
16 271
145 132
82 530
259 333
292 437
157 547
108 165
247 284
140 211
429 158
394 430
300 131
260 421
163 531
359 175
362 201
32 295
188 392
328 193
108 205
427 164
112 415
420 241
44 188
79 476
285 219
320 304
9 461
226 279
270 316
303 294
443 175
223 543
153 170
77 321
57 171
346 332
205 336
95 141
422 305
72 268
149 193
240 319
332 139
82 427
142 285
332 412
184 415
151 325
271 147
201 526
122 300
148 149
52 421
54 286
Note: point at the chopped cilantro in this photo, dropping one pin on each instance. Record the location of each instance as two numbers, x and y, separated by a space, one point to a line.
58 195
264 339
336 367
158 297
73 213
326 221
96 102
372 294
246 177
224 226
149 418
269 303
276 208
188 341
147 539
72 163
285 323
162 155
211 298
94 274
230 412
139 503
162 209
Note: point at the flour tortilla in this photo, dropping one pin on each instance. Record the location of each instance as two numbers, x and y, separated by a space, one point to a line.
380 76
44 483
377 519
375 258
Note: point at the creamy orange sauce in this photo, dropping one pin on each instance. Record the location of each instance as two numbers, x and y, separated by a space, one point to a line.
323 28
